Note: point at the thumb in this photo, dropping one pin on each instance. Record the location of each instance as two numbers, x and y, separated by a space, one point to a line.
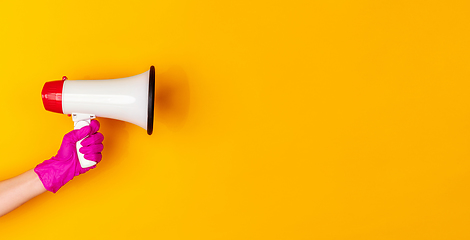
78 134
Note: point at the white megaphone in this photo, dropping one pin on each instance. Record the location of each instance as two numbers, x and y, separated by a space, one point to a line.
129 99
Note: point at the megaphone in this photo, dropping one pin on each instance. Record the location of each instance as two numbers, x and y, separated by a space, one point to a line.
129 99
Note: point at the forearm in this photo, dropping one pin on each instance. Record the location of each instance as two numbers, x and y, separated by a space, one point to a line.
18 190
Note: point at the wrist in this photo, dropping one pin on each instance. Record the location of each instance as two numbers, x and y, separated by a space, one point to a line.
34 182
53 174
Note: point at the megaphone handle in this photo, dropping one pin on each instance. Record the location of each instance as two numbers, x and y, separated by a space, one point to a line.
81 157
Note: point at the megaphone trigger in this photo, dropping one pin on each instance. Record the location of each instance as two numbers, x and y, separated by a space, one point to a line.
77 117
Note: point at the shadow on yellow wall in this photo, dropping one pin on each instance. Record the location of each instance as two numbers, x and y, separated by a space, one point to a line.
172 98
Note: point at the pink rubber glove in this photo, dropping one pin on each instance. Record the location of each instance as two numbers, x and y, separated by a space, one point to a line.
57 171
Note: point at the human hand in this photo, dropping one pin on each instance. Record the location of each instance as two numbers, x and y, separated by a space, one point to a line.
60 169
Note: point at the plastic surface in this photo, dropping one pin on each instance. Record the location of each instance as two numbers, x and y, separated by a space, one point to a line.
80 121
60 169
124 99
52 96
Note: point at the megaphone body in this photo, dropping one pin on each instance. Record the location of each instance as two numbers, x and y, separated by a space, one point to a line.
129 99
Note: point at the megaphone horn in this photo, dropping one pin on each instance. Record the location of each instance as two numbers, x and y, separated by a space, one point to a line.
129 99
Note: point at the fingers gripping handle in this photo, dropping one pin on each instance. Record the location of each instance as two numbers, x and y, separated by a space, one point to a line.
79 121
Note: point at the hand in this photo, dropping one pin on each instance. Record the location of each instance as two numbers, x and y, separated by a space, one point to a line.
57 171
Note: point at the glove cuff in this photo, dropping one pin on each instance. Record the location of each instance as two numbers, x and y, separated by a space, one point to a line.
51 174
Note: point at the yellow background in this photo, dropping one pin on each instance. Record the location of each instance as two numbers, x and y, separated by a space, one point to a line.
306 119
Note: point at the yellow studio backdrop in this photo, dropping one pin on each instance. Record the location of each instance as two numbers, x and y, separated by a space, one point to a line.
287 119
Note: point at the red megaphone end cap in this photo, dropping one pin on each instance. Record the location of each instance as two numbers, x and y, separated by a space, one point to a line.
52 96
